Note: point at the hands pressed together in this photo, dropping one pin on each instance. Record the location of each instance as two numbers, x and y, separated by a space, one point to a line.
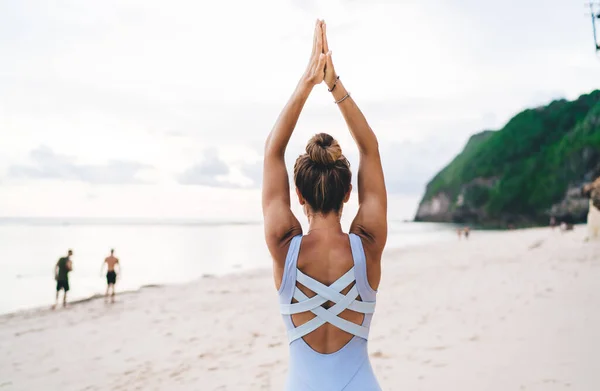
320 67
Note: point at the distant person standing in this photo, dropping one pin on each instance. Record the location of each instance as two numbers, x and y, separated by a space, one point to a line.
459 233
111 275
552 222
467 230
61 275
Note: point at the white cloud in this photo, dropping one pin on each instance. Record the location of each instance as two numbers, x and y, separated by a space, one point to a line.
212 171
46 164
163 82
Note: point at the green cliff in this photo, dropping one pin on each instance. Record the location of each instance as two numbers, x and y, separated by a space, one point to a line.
523 173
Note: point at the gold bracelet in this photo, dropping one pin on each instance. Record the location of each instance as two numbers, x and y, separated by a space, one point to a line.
343 99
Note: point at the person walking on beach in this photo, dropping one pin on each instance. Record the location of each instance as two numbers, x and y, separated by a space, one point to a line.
327 279
111 263
61 275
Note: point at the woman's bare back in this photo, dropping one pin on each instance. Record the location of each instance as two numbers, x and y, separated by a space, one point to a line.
326 256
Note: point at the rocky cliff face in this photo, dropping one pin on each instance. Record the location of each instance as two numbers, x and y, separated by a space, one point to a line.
592 190
573 208
466 207
533 168
437 208
469 205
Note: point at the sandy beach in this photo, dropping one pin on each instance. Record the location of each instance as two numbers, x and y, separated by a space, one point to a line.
515 310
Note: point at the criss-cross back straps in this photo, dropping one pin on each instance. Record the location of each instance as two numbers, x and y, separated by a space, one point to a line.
324 293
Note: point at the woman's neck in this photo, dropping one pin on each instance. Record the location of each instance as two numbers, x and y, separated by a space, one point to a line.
330 223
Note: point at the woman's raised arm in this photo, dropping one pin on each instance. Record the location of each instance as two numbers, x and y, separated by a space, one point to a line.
371 219
280 223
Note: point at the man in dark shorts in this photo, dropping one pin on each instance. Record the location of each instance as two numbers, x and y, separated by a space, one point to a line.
111 275
61 275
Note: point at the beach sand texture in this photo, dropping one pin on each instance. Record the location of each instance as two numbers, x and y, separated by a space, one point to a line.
517 310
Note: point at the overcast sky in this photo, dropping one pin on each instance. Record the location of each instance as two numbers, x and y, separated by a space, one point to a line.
128 108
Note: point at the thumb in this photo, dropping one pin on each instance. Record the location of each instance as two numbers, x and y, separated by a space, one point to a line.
329 60
321 63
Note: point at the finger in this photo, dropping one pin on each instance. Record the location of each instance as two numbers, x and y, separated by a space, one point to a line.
317 32
325 44
329 60
321 64
319 39
316 64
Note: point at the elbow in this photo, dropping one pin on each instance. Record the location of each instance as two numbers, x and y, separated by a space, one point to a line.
375 144
267 142
374 141
268 145
272 150
371 148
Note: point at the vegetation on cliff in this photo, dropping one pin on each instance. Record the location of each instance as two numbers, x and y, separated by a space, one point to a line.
526 167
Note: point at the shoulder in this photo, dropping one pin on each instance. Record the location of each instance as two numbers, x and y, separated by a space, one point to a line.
279 247
281 255
372 248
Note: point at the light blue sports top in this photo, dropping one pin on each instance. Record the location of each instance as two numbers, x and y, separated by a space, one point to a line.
347 369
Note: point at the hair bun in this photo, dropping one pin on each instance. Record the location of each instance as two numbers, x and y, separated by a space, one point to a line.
323 149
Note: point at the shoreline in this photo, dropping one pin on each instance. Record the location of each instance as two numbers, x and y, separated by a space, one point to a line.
407 240
239 270
32 311
77 302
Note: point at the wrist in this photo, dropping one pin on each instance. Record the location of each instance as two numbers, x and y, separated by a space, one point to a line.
339 91
304 87
331 81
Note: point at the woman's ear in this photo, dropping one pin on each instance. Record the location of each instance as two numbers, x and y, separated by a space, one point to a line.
347 196
301 199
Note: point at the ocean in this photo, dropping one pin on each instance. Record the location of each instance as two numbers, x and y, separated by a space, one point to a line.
152 252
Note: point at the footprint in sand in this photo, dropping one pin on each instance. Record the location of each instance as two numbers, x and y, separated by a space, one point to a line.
438 348
379 354
536 244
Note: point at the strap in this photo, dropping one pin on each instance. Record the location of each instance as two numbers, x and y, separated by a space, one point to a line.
315 301
291 260
332 294
360 264
329 315
323 294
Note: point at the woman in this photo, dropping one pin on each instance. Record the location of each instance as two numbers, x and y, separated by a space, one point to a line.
327 280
